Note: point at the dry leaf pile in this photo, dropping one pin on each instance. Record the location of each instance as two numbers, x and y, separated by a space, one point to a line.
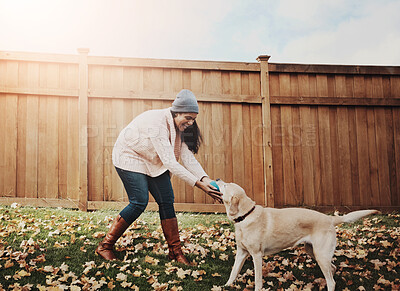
53 249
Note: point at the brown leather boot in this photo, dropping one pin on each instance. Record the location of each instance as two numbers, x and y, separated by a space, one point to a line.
105 248
171 233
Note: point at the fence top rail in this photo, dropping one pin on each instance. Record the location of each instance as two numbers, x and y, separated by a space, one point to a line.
333 69
133 62
39 57
174 64
204 65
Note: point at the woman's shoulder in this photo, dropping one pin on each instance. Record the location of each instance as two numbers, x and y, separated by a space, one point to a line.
153 118
153 114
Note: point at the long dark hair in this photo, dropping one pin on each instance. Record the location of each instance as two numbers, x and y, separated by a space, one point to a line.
191 136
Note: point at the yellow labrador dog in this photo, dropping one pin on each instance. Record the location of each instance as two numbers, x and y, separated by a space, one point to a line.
263 231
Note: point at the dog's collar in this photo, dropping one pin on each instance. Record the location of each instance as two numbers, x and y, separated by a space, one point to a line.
241 218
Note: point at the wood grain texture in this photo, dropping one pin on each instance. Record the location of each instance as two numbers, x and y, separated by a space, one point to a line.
330 133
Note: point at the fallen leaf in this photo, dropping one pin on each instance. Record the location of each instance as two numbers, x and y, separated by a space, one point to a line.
182 273
121 277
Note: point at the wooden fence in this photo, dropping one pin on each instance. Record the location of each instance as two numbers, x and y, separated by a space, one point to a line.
292 135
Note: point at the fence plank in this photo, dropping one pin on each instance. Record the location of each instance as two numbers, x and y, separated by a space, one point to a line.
21 132
96 130
21 149
383 163
396 121
10 177
208 145
218 136
257 155
10 76
237 142
277 155
227 155
391 155
287 155
73 149
308 140
32 147
248 169
335 153
373 195
343 156
363 161
326 156
63 148
52 179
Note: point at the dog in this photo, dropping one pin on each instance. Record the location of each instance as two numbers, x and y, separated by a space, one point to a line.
263 231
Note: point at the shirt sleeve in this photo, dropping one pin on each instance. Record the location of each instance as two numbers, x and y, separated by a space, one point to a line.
191 163
165 151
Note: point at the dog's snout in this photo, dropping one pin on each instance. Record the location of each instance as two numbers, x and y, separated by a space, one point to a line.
218 179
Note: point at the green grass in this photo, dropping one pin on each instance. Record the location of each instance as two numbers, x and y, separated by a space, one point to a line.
44 248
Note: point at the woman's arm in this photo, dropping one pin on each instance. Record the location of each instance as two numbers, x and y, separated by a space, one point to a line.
165 152
203 182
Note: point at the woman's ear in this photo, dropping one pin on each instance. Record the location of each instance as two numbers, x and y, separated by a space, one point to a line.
234 205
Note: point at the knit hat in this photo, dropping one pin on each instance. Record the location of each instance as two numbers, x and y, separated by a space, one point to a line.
185 102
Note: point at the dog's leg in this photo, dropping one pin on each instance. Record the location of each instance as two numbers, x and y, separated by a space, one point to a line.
309 250
324 248
240 258
257 261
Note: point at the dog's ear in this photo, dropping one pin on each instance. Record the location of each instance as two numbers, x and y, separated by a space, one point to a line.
234 205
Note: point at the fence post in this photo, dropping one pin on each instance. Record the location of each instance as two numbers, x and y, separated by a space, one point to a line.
267 132
83 125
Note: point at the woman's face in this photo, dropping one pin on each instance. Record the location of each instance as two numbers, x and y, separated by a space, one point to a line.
184 120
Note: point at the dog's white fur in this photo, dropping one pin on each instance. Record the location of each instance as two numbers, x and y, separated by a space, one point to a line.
266 231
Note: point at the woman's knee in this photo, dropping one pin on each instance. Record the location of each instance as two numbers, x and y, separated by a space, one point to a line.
132 211
138 204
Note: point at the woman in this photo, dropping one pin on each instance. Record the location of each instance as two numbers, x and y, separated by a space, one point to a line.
145 154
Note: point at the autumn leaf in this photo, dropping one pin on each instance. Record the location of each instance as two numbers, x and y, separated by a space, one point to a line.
23 273
99 234
151 260
126 284
197 273
111 285
121 277
48 269
182 273
8 264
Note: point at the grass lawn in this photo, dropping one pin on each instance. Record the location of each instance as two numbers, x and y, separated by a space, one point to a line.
53 249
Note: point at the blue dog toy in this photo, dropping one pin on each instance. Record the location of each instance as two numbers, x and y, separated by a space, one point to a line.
215 185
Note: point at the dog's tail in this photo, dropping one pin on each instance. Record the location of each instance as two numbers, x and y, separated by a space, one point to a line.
353 216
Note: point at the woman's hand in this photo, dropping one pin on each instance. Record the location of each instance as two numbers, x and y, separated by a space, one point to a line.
209 189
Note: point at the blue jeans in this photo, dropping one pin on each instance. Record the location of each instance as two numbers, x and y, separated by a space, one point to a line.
138 185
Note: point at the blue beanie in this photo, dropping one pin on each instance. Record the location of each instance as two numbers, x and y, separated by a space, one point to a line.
185 102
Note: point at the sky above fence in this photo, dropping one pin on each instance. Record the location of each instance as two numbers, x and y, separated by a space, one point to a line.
294 31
